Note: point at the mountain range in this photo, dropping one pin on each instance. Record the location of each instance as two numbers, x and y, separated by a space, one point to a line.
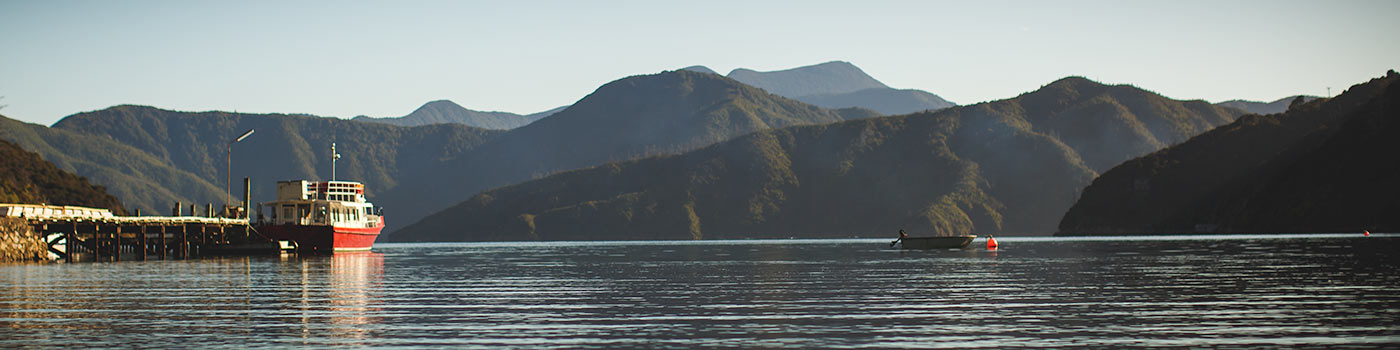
630 118
444 111
676 155
1326 165
1009 166
836 84
414 171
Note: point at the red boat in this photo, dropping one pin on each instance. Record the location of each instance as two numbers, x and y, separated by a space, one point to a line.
322 217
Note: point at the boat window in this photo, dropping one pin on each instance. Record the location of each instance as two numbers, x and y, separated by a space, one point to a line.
304 211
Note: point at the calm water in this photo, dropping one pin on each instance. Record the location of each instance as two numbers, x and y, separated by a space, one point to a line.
1242 291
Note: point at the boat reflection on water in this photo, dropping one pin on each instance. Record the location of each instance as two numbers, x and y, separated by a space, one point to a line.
340 294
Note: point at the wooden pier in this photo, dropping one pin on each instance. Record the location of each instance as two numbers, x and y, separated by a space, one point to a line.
87 234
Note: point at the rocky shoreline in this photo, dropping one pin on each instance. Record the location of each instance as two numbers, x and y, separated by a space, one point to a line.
19 243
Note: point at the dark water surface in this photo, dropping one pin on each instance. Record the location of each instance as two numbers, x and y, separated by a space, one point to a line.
1326 291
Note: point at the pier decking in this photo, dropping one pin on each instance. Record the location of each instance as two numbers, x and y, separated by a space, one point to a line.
73 231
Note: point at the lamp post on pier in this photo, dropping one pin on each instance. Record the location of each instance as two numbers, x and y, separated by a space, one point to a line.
228 175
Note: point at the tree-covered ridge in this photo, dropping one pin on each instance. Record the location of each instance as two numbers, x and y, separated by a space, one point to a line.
1324 166
773 183
1003 166
633 117
284 147
139 179
26 178
1109 124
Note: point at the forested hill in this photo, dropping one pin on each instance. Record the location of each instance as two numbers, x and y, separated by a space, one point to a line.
26 178
1006 166
629 118
140 180
283 147
1324 166
414 171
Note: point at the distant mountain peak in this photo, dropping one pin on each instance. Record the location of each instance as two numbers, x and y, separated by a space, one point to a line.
841 66
840 84
835 77
441 102
441 105
446 111
700 69
1066 89
1074 81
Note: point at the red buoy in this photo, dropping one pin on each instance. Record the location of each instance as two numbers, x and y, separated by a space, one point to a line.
1365 233
991 243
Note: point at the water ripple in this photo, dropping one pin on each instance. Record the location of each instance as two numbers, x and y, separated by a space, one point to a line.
1237 291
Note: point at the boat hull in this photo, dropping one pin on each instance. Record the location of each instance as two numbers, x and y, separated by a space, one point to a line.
943 242
323 239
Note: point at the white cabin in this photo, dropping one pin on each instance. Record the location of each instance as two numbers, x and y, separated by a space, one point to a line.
334 203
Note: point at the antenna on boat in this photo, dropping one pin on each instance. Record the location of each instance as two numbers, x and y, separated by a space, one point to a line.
334 157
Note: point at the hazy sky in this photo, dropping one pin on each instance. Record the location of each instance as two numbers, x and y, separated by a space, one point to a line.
342 58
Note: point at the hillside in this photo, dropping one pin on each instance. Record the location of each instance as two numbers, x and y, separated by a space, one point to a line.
838 85
1324 166
26 178
1010 166
140 180
444 111
1255 107
414 171
630 118
284 147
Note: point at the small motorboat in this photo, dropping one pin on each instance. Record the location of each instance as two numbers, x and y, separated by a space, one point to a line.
936 242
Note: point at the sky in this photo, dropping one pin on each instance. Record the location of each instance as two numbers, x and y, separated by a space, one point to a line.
384 59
